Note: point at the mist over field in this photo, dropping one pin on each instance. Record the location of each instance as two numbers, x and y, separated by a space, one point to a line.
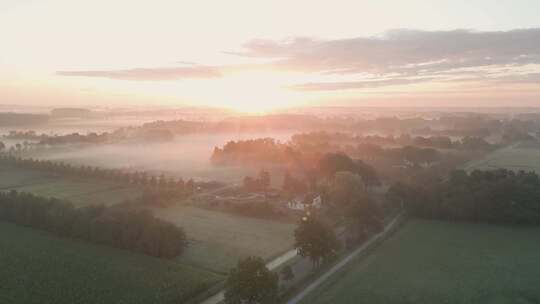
83 126
186 156
338 180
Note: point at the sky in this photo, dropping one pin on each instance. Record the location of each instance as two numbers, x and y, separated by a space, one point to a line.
261 55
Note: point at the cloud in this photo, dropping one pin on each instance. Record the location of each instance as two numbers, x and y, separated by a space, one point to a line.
402 51
406 57
151 74
346 85
398 57
532 78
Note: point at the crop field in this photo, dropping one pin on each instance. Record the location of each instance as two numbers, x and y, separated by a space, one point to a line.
517 157
438 262
79 191
218 240
39 268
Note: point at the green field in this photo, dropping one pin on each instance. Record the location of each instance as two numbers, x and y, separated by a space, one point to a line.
438 262
37 267
77 190
218 240
516 157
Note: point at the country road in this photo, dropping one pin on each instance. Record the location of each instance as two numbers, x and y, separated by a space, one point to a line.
315 284
273 264
287 256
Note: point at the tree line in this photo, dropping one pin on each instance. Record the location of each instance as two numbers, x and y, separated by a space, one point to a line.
331 163
250 151
305 151
117 227
259 183
119 135
325 142
22 119
494 196
158 191
141 178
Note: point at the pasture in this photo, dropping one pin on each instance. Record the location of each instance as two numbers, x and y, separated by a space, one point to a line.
39 268
440 262
77 190
516 157
218 239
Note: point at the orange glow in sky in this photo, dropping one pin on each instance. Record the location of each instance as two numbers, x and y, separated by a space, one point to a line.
257 56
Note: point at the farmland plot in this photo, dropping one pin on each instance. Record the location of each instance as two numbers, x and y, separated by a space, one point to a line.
516 157
218 240
39 268
438 262
79 191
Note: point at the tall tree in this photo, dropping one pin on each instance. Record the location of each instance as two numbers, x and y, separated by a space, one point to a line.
190 186
335 162
316 241
345 189
363 217
293 186
264 180
251 283
332 163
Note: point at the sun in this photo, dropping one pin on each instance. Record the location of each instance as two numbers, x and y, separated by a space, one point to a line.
252 93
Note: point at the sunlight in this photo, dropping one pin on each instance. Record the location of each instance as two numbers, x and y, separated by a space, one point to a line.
253 92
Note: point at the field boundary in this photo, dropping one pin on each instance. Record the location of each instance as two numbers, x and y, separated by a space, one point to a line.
108 189
14 187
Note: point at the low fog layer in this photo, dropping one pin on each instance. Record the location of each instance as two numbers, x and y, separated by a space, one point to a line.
187 156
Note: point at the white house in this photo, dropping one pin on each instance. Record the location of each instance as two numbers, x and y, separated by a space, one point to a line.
305 202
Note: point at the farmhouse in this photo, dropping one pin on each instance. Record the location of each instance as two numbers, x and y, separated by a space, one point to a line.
304 202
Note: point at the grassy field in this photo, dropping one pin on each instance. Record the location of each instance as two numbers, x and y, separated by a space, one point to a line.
437 262
79 191
516 157
218 240
37 267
